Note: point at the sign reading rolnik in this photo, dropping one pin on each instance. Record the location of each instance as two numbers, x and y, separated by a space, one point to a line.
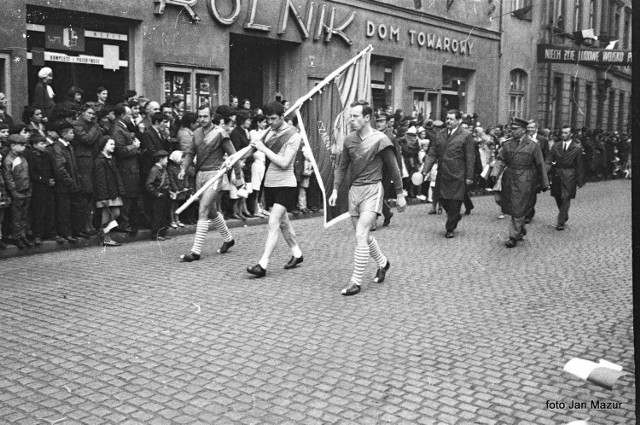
563 54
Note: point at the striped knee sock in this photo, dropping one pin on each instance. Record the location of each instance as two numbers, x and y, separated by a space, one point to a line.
202 227
221 226
376 254
360 259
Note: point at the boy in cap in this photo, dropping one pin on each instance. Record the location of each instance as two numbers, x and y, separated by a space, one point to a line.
157 186
68 202
525 170
18 184
41 169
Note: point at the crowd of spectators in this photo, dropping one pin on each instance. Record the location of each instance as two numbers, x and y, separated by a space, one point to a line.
71 168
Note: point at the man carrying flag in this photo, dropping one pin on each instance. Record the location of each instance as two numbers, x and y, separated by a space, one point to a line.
280 187
210 143
364 153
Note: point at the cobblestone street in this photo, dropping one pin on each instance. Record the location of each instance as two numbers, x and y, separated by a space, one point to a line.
463 330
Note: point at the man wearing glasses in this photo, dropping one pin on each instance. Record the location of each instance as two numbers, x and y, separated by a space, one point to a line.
210 143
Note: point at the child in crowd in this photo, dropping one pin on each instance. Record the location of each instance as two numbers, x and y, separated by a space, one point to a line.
5 202
43 201
4 135
158 188
107 188
18 184
179 189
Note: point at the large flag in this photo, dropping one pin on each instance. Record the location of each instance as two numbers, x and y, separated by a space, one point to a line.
324 123
323 116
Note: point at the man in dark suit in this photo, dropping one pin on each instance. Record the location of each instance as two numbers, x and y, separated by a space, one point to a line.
127 153
532 132
565 165
454 151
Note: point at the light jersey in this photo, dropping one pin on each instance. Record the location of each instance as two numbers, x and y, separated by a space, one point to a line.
283 177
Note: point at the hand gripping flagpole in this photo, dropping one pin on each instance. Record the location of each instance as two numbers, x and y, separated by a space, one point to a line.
231 160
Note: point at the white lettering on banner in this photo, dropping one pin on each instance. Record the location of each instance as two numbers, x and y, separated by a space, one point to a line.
589 56
83 60
613 56
419 38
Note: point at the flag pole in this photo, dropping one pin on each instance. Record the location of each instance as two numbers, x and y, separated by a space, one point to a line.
242 152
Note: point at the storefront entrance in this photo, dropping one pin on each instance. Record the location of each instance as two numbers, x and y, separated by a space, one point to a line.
256 68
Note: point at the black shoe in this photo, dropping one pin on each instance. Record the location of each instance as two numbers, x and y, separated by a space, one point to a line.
559 227
81 235
511 243
187 258
37 241
527 220
449 234
226 246
351 289
387 220
468 211
26 242
18 242
71 239
433 212
293 262
381 273
59 239
257 270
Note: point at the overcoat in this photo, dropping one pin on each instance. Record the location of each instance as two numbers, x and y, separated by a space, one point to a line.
566 169
456 156
66 168
127 159
525 171
107 181
85 138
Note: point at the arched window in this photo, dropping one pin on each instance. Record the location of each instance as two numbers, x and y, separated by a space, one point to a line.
517 93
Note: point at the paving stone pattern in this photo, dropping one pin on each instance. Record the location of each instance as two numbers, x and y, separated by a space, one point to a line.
463 331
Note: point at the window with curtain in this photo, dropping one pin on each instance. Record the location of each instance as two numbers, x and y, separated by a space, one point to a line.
517 93
577 15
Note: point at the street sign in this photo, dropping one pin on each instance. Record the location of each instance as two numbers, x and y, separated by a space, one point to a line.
563 54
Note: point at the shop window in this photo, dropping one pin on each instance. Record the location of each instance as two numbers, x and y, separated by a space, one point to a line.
197 87
5 82
517 93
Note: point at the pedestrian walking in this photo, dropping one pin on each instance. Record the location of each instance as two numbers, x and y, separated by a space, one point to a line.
365 151
565 166
524 172
280 147
532 132
210 144
454 151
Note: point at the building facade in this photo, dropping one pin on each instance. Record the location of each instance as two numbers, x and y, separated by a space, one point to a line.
577 93
427 56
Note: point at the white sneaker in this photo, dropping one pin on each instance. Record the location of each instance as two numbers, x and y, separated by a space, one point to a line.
421 197
501 216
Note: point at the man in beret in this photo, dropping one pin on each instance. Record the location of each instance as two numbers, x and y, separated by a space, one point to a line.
525 171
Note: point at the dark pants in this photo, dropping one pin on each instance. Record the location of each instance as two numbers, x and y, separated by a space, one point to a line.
68 218
516 229
532 211
43 212
159 214
127 211
563 207
468 204
19 217
452 207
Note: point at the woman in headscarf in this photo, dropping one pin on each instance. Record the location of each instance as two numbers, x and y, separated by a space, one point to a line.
43 94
